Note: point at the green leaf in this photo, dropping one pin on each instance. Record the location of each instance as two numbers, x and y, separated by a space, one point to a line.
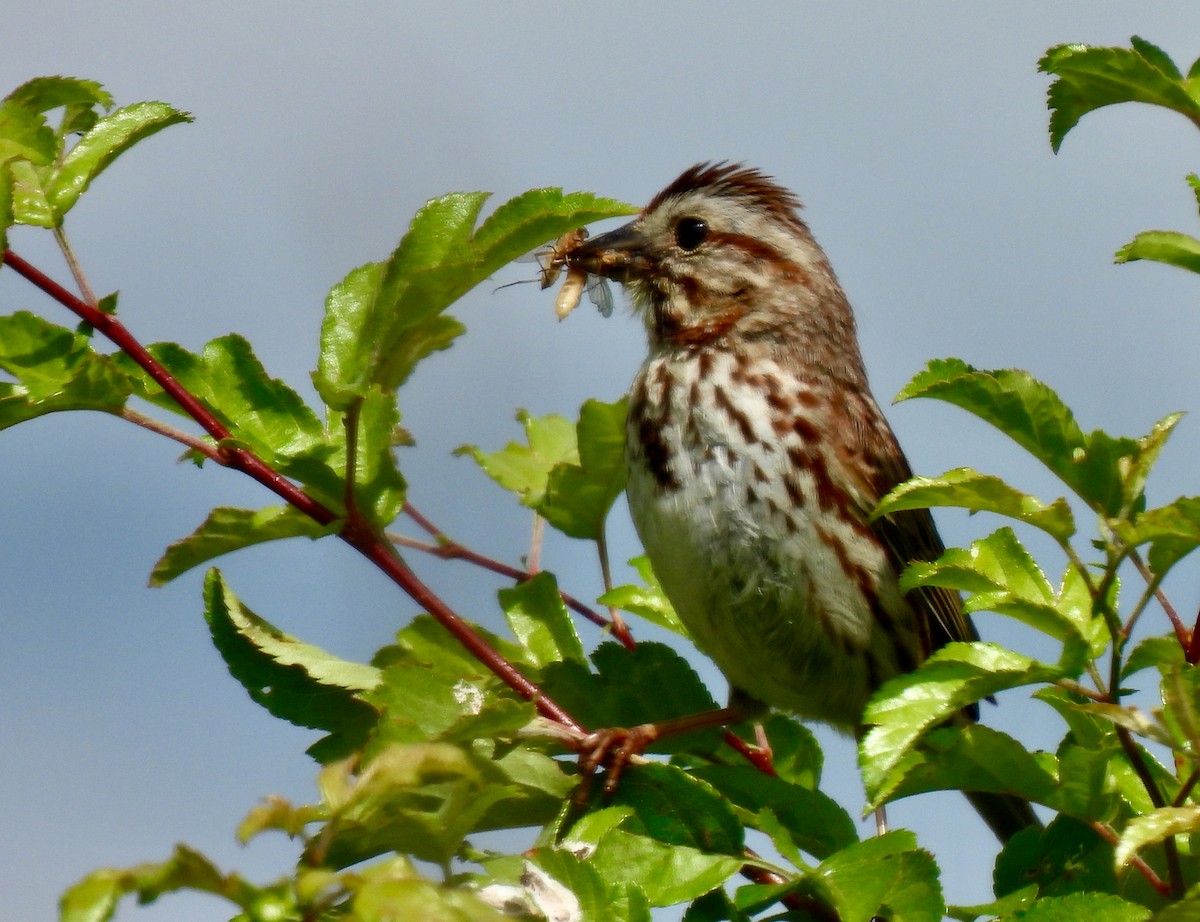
814 822
1001 576
1065 857
29 203
968 489
1153 652
261 411
887 875
227 529
649 683
540 621
295 681
954 677
379 487
537 216
678 838
24 134
1170 247
1089 78
646 601
56 369
1173 532
381 320
7 218
599 900
393 892
579 496
343 372
95 898
1095 907
41 94
420 799
974 758
110 137
525 469
1104 471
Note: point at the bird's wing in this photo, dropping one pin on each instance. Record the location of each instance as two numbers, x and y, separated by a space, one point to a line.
909 535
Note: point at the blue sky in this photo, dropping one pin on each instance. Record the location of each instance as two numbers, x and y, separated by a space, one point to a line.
916 136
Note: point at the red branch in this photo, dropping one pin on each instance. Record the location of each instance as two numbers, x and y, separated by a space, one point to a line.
364 540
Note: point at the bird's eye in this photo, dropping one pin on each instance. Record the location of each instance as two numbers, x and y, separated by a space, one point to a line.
690 233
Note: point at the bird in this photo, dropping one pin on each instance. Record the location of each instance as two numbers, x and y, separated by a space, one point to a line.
756 455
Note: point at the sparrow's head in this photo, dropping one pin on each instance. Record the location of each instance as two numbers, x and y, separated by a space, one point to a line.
720 251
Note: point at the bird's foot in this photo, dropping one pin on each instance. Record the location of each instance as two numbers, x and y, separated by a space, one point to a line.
614 748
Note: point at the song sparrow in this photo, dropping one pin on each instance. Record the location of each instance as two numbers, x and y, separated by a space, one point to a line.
756 455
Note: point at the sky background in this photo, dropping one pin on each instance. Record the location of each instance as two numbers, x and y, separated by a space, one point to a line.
916 136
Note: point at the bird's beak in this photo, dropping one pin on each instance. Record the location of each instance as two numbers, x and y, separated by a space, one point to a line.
618 255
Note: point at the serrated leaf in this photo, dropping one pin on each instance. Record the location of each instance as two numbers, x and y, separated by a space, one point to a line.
813 821
974 758
56 369
379 487
227 376
29 203
1034 416
227 529
579 496
646 601
1065 857
1173 532
110 137
599 900
24 134
1159 652
420 799
1095 907
1000 575
41 94
295 681
677 839
537 216
525 469
954 677
1170 247
884 875
1089 78
649 683
540 621
968 489
95 898
382 320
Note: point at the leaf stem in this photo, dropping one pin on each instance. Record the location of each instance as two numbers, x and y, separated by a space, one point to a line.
60 237
371 545
1144 869
1170 849
208 449
1181 629
619 628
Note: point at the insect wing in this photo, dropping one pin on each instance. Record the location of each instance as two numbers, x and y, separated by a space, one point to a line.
600 293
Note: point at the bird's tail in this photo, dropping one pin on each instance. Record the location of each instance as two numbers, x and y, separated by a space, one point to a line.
1005 814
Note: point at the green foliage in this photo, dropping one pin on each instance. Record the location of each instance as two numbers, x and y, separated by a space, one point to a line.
452 731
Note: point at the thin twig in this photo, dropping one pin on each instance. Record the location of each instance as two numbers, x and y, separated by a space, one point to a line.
533 560
195 443
1144 869
68 253
1170 849
619 628
448 549
1181 630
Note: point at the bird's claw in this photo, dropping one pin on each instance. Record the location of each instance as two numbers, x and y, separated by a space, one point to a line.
614 748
